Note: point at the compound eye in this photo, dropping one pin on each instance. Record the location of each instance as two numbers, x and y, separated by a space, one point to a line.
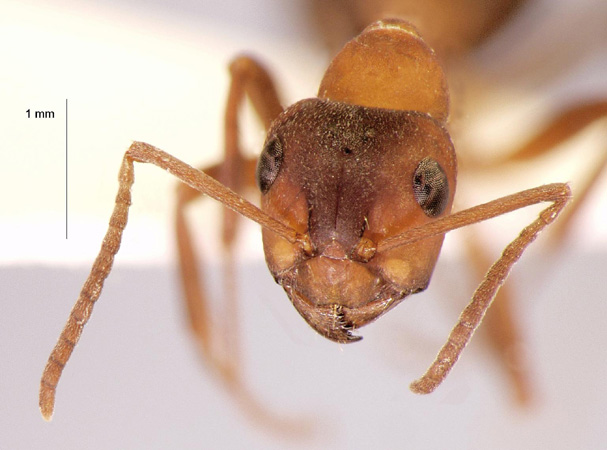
430 187
269 164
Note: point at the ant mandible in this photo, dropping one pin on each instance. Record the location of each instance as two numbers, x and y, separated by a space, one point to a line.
356 187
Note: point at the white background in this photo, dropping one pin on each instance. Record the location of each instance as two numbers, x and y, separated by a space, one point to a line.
156 71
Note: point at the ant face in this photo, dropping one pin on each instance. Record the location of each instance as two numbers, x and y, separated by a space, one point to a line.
349 177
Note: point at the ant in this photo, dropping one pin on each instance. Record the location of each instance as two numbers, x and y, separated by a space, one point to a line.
357 187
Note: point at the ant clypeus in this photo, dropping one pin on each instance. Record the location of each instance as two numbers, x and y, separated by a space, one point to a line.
357 188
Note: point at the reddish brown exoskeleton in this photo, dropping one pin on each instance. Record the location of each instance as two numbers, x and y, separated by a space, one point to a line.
357 188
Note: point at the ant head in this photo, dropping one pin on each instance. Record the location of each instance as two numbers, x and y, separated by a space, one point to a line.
349 177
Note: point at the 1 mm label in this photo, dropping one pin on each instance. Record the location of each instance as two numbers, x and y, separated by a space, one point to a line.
40 114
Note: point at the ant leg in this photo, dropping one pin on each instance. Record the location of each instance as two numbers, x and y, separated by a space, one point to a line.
82 310
248 78
558 194
194 289
218 340
260 89
563 127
